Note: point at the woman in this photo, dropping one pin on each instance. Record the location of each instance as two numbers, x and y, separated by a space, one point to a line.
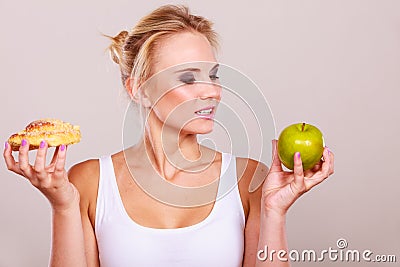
103 211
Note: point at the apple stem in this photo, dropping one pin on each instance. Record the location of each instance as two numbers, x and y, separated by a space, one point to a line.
302 127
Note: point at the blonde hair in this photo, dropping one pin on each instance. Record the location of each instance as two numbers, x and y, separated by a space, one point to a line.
134 51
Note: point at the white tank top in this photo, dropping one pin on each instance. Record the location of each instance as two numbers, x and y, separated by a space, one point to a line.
217 241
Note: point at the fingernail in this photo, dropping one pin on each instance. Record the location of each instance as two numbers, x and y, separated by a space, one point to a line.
42 144
23 143
329 152
298 155
62 148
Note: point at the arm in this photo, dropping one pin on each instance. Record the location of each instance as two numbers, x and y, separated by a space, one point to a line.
262 227
82 176
67 238
272 244
265 233
265 236
73 235
68 247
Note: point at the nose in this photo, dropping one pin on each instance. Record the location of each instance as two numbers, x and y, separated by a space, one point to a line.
210 90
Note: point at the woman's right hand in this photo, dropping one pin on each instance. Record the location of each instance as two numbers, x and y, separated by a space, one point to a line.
51 180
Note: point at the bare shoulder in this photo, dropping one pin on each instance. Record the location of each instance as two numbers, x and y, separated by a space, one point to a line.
251 175
251 172
84 174
85 177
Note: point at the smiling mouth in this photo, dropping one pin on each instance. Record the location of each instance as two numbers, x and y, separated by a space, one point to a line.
206 111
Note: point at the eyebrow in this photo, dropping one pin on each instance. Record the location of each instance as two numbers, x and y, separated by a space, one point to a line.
196 69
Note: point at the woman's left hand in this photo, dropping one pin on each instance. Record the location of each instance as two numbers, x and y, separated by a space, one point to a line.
282 188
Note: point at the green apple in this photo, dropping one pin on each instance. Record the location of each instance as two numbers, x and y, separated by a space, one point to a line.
304 138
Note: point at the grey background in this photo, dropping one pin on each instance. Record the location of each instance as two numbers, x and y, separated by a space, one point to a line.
331 63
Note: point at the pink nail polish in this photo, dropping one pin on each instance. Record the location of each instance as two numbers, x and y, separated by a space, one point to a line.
298 155
329 152
42 143
62 148
23 143
6 145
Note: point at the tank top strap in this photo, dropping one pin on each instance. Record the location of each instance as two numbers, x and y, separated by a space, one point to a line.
228 178
228 197
107 195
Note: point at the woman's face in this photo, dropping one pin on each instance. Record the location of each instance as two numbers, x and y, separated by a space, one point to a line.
185 82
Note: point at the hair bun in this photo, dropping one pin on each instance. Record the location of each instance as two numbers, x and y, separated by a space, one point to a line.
135 51
117 44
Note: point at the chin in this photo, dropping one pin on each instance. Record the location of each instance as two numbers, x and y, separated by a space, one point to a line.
199 127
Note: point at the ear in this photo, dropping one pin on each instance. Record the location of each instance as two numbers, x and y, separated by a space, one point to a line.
132 91
129 87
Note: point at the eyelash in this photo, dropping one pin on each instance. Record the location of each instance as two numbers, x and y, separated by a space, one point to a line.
191 79
214 77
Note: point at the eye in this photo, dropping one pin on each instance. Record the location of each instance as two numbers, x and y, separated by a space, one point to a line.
213 74
187 78
214 77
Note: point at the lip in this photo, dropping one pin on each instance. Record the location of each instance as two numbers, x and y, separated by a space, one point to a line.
213 108
209 116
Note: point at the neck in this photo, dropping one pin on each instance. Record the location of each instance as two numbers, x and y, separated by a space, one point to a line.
169 150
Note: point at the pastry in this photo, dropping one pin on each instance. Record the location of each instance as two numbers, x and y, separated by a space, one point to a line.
55 132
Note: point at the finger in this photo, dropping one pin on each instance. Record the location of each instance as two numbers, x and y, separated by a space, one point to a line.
23 159
332 161
310 172
327 162
60 162
323 173
9 159
317 166
298 173
40 161
54 158
276 164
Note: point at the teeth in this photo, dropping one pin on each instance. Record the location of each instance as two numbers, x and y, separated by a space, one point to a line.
204 112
